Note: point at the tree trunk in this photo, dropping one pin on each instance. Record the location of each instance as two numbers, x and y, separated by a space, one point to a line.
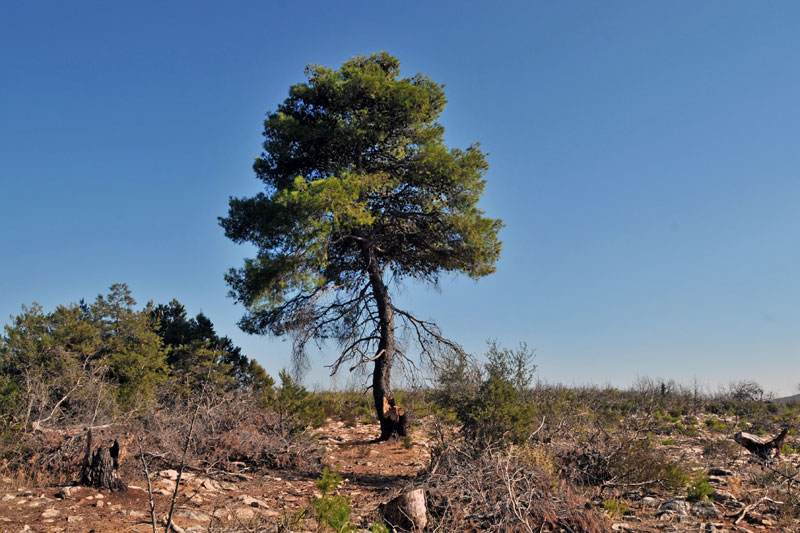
391 417
101 468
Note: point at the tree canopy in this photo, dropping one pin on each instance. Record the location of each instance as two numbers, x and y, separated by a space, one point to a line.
360 192
85 361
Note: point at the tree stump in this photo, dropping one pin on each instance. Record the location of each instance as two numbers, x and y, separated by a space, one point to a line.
394 422
101 467
407 512
761 446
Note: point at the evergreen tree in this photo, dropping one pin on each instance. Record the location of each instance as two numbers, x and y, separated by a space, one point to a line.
361 192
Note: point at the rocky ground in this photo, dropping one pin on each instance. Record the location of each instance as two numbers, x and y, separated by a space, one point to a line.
374 472
370 472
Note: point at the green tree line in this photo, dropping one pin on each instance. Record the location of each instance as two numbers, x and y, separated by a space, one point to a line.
86 363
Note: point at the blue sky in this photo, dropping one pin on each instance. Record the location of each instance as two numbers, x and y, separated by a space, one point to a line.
644 157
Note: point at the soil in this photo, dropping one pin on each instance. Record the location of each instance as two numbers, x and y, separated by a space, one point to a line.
371 472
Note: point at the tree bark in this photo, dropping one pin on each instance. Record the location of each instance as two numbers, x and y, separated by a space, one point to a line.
101 468
391 417
761 446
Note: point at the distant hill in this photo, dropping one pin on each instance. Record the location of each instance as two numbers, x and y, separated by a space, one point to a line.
789 399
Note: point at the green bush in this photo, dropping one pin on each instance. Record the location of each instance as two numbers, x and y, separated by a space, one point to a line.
492 403
295 406
615 508
788 450
716 425
332 510
699 490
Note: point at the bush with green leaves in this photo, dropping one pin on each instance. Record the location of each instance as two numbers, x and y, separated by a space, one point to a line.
493 402
92 363
295 406
332 510
699 490
615 508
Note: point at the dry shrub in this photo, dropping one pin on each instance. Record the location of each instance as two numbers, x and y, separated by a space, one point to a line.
54 456
232 433
735 487
499 490
721 450
620 460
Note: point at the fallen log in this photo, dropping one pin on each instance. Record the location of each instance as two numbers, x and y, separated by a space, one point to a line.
761 446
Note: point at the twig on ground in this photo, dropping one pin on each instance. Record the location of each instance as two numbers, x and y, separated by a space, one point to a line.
146 470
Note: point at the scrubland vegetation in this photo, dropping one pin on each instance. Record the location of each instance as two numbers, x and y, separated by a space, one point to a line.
507 452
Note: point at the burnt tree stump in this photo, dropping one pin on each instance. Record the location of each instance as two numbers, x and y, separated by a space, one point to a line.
394 421
760 446
101 467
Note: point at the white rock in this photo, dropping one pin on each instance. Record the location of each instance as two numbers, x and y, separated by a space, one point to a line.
252 502
244 513
705 510
169 474
193 515
209 485
51 513
650 502
676 505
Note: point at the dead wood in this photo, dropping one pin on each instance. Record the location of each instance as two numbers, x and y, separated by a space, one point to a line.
101 466
761 446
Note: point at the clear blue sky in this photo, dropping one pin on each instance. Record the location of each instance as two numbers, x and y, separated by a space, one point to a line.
645 157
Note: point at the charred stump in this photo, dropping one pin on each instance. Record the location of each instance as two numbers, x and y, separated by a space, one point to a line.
101 466
760 446
394 420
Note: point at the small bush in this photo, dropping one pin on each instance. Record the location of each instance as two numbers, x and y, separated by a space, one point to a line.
504 493
492 403
699 490
332 510
538 458
716 425
295 406
377 527
788 450
615 508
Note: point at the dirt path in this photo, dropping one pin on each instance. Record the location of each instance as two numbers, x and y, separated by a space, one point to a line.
370 471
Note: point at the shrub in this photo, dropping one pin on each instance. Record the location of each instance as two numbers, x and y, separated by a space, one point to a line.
492 403
295 406
622 461
699 490
615 508
331 509
716 425
505 493
788 450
